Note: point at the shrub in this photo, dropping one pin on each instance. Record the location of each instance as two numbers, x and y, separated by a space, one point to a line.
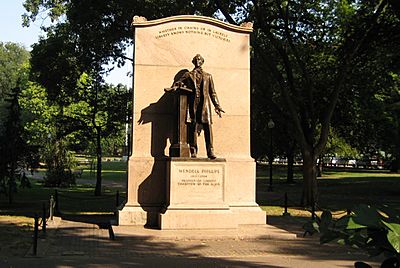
59 163
374 229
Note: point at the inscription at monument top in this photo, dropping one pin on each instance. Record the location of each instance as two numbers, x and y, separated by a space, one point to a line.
176 39
193 30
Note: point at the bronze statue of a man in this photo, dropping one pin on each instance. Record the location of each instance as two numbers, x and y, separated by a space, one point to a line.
199 105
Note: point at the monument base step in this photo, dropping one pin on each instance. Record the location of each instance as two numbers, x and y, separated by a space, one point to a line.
249 215
197 219
137 215
132 215
243 232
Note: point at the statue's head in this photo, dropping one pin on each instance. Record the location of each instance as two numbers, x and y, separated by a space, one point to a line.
198 60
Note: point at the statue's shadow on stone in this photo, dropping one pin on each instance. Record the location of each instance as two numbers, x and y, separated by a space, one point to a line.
152 191
160 115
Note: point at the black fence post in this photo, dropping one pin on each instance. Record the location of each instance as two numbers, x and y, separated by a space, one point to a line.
286 213
117 199
116 203
35 234
57 207
44 217
313 211
111 232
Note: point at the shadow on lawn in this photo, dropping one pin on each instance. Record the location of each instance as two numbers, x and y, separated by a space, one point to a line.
335 194
16 237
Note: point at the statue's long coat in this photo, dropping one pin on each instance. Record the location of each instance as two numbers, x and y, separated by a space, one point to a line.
194 99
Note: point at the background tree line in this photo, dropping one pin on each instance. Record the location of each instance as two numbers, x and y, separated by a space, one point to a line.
35 127
325 71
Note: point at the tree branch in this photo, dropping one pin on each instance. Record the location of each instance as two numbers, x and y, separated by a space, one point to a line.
308 84
126 58
346 58
225 12
272 64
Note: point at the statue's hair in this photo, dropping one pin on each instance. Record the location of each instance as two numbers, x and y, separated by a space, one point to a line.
197 56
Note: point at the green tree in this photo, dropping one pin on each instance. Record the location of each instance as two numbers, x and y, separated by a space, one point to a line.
100 113
13 146
56 66
13 66
309 48
39 120
13 75
38 114
366 116
265 106
392 113
88 109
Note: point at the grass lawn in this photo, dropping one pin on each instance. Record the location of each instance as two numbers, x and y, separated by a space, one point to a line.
339 189
77 199
111 171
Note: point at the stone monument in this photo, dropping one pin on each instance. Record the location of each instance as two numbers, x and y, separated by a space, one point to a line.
172 184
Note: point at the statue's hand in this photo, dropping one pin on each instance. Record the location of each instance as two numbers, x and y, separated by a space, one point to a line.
179 84
219 111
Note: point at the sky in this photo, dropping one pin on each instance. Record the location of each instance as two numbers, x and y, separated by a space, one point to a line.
11 30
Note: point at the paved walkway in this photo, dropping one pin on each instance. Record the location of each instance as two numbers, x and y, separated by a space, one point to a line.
77 244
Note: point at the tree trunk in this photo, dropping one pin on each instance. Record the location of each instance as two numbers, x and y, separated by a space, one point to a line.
309 196
395 165
319 167
10 192
97 190
11 180
290 164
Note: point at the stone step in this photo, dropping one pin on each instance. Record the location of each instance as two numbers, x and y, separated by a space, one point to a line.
244 232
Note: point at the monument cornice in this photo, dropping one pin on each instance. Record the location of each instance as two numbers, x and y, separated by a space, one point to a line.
139 21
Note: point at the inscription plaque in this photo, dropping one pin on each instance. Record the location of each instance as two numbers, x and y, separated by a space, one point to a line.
196 183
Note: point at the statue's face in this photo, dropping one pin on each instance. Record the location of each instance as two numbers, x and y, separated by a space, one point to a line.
197 61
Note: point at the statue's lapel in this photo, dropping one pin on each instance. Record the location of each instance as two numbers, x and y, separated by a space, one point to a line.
193 77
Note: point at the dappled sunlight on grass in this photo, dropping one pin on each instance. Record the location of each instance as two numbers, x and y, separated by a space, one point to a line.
278 211
111 172
15 235
357 174
299 211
